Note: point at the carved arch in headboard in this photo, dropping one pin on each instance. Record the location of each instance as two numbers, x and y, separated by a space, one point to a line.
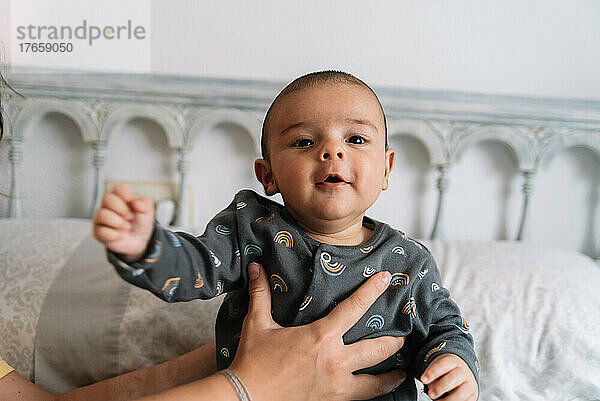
426 133
558 143
119 114
33 110
246 119
515 138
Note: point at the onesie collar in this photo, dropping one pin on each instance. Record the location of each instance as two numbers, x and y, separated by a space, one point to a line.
376 226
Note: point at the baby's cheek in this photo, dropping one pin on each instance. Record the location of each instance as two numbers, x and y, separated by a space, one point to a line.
374 168
373 186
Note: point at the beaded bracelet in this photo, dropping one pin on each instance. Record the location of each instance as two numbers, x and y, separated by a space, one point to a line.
238 385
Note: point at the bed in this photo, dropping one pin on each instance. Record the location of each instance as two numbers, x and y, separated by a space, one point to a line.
67 319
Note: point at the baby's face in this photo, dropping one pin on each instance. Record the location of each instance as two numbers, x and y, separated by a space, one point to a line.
327 152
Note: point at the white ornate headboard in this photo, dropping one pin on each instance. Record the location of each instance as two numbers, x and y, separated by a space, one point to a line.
446 123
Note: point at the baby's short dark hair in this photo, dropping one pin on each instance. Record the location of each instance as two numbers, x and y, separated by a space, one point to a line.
314 78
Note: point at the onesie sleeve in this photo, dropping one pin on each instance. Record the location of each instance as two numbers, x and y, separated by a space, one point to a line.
178 266
438 325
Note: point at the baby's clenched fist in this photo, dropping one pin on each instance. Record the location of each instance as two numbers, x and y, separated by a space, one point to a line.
449 376
124 223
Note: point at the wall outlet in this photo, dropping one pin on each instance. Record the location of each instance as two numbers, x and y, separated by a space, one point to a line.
163 194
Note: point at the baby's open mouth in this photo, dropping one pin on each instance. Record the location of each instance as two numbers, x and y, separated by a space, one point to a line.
332 179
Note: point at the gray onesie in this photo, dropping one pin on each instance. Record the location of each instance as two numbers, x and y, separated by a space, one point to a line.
308 279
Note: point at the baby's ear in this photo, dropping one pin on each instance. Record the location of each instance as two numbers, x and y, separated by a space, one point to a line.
389 163
264 174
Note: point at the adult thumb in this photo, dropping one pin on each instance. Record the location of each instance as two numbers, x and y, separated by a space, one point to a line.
259 308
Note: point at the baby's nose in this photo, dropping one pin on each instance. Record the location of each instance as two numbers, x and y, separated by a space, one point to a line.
328 155
331 149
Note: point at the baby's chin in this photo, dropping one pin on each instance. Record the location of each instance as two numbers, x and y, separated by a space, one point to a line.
329 215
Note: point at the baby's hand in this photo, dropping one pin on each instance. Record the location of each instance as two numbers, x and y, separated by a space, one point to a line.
124 223
448 373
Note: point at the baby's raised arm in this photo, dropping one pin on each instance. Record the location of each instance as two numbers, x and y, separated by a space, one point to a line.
178 266
124 223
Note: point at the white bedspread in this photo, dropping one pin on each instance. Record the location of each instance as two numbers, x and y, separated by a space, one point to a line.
535 317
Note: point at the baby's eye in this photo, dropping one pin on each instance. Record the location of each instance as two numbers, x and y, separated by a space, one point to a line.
301 143
356 139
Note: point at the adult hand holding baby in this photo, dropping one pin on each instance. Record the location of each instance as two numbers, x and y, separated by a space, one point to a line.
302 363
311 362
124 223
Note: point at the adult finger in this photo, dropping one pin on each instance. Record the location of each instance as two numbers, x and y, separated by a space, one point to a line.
259 308
349 311
440 366
367 353
124 192
365 386
116 204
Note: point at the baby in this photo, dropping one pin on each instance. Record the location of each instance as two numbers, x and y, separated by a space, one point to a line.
324 147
